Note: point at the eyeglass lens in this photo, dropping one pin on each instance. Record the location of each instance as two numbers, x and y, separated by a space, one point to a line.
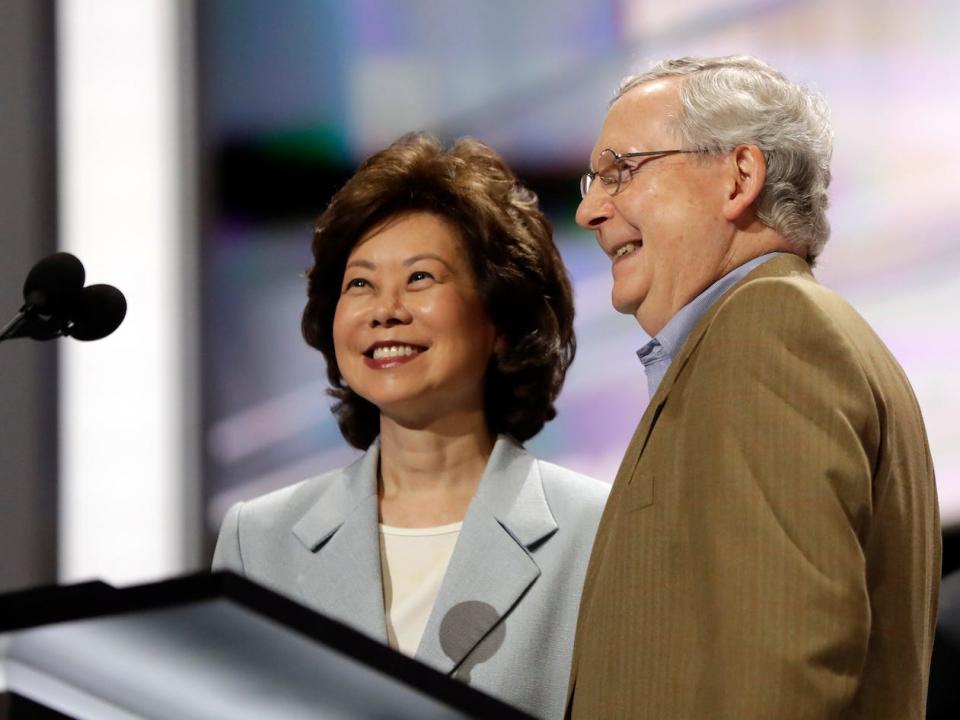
609 174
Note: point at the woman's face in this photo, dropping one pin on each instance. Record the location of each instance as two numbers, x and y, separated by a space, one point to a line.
410 331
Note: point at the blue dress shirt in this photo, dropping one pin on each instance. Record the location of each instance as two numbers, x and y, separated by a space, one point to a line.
657 354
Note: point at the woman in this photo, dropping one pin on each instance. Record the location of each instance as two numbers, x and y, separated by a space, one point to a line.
445 316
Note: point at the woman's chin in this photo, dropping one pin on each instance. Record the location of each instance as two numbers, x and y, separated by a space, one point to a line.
430 414
412 411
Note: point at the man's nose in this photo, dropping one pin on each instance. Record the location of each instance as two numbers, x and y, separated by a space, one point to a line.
595 209
390 310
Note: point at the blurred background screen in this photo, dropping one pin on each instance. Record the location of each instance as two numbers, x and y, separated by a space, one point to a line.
293 95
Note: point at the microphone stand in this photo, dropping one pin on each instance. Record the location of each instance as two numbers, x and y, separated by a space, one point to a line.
23 316
10 330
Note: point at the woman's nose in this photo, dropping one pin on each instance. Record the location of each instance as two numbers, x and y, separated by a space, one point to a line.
390 311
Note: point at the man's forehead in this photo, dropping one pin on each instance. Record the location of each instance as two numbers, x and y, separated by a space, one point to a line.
642 117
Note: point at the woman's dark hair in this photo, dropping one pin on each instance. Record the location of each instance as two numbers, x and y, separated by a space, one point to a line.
519 273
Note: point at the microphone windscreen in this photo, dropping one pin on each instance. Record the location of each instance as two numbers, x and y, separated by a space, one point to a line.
98 312
52 284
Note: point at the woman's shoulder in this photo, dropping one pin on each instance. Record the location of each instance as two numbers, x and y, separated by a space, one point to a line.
291 501
572 494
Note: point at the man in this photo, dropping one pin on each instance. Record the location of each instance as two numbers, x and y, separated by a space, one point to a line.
771 546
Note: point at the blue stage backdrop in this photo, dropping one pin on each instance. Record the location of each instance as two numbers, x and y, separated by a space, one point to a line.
295 94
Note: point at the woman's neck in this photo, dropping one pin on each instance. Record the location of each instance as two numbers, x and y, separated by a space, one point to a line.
429 475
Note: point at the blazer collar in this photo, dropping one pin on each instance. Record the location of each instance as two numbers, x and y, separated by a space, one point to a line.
355 484
491 567
511 490
779 267
341 575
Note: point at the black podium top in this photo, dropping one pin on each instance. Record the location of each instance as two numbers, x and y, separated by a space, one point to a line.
211 646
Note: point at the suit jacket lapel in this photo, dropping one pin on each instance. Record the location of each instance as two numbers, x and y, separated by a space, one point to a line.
782 266
341 575
491 567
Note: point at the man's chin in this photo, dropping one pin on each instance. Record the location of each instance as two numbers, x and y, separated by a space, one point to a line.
627 306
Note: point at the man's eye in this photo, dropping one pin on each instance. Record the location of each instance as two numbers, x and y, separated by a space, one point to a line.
611 175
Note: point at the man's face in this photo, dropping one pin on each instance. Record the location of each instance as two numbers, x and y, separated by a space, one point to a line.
663 232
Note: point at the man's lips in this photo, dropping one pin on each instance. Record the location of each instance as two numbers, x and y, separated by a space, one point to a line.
625 249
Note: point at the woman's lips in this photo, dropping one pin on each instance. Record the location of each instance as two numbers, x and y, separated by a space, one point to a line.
384 356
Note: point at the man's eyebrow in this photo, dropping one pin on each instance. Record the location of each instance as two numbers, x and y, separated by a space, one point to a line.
427 256
598 153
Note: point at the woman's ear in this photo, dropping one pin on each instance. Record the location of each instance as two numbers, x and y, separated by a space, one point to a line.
499 349
748 172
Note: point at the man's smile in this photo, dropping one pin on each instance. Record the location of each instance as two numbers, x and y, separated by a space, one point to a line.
625 249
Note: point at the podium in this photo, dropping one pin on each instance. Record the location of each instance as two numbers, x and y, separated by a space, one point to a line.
208 646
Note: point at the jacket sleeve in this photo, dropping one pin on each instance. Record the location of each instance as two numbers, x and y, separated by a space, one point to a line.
778 449
227 555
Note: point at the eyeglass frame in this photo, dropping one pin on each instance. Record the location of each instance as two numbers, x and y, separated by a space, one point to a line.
586 180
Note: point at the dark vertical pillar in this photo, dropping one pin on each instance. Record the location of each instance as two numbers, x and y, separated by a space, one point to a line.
28 231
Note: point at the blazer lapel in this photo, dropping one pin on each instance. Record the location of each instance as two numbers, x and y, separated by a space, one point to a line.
341 577
778 267
491 567
784 266
638 442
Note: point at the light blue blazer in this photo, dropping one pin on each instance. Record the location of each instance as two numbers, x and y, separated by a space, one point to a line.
507 610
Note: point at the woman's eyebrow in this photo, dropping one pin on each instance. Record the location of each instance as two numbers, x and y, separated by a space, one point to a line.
427 256
361 263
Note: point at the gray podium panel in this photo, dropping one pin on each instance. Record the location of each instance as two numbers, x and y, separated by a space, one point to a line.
197 653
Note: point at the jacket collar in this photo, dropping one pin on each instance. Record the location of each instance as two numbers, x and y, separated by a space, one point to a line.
783 266
355 485
341 575
491 566
511 490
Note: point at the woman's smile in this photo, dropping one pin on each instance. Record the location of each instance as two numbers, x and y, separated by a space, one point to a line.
387 355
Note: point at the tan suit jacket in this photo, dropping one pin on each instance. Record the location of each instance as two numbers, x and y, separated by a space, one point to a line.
771 546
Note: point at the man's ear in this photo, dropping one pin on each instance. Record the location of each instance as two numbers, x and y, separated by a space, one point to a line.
748 171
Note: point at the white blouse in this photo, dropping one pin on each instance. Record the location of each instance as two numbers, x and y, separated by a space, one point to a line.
413 562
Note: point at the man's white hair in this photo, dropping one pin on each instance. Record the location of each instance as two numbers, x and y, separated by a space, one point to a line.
740 100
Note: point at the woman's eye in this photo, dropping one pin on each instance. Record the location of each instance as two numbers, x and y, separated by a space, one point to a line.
420 275
357 283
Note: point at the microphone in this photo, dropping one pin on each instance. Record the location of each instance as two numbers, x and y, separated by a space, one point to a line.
98 312
56 303
52 284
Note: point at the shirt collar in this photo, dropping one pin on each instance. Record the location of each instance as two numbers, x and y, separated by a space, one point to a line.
675 333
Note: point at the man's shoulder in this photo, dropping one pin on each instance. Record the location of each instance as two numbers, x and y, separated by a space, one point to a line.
792 283
789 315
788 300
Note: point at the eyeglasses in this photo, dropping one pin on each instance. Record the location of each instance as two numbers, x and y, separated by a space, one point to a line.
614 171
